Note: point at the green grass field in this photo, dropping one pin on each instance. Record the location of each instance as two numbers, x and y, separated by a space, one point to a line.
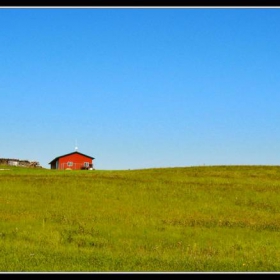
191 219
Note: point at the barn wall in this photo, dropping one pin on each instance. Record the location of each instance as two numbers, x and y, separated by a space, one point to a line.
77 159
53 164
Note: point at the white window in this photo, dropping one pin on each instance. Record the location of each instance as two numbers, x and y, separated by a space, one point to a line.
69 163
86 164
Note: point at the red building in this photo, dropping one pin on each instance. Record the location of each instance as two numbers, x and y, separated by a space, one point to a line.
72 161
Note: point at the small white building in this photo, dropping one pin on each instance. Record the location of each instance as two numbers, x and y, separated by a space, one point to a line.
13 162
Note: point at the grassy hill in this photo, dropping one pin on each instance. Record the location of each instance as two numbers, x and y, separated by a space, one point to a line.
187 219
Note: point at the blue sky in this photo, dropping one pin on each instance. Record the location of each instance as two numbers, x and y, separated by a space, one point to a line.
141 87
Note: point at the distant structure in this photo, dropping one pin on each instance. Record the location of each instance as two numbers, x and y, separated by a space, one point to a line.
73 161
20 162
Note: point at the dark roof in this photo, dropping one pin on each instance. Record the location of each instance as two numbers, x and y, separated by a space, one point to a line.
71 154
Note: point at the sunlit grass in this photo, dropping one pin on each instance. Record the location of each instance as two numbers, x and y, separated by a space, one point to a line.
193 219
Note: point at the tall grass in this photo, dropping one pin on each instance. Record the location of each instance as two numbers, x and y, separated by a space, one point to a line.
192 219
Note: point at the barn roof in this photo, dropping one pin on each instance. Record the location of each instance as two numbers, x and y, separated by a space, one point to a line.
71 154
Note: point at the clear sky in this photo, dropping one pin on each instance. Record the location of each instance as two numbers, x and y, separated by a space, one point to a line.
141 87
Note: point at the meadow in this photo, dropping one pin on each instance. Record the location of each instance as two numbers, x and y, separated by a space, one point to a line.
185 219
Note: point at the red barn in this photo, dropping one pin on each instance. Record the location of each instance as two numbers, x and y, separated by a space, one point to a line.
72 161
